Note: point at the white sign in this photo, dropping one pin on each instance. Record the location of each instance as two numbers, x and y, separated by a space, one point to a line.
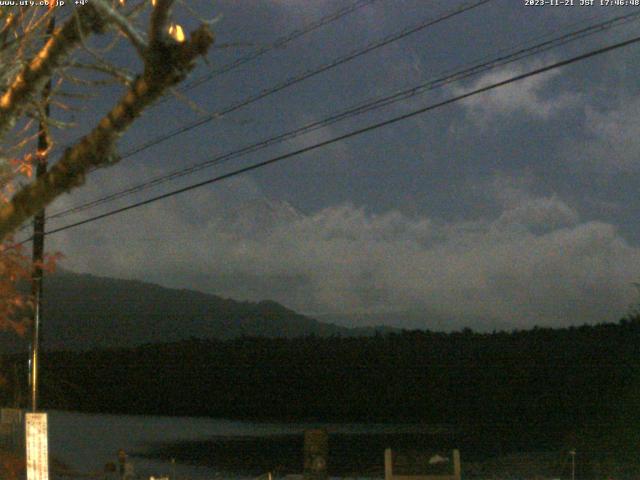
37 446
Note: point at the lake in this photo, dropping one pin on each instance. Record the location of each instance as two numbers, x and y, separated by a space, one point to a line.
206 448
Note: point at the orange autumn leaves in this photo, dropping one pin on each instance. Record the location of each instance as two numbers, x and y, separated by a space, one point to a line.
15 273
19 167
14 304
15 263
15 267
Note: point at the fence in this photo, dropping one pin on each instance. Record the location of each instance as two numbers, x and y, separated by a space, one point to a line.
415 466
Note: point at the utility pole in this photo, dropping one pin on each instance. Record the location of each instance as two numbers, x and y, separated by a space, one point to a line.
573 464
38 238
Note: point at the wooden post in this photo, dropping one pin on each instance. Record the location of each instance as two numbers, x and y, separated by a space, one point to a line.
456 464
316 452
388 464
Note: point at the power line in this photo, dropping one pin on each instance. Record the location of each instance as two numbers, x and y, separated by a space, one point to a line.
278 43
310 73
351 134
361 108
306 75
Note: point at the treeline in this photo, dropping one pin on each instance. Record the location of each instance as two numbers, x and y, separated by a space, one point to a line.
548 383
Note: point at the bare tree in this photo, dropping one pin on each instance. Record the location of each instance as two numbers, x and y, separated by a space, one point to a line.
30 58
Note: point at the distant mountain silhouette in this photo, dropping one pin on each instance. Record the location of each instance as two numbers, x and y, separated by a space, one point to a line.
83 311
256 218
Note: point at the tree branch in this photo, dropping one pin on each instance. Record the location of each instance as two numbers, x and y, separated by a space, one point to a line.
30 81
123 25
159 21
97 149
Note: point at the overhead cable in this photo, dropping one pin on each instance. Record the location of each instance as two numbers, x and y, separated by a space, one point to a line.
358 109
351 134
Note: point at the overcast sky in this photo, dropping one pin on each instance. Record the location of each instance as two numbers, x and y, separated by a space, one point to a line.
514 208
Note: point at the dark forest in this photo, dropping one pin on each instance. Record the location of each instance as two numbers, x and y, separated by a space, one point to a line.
521 390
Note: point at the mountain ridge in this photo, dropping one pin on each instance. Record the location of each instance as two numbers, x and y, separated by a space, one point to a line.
83 311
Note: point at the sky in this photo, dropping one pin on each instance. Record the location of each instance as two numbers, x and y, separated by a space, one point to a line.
513 208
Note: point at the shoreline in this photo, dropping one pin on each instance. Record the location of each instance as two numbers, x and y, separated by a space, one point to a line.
349 454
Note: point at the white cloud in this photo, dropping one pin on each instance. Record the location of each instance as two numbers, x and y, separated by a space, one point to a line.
613 139
543 213
534 263
536 96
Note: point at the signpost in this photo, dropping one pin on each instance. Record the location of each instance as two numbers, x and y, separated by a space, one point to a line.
37 446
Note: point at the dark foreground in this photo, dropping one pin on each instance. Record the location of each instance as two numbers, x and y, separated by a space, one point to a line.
355 454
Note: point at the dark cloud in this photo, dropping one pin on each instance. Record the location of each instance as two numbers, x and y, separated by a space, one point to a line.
494 208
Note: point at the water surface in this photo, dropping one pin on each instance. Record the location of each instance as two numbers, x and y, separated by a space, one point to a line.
88 441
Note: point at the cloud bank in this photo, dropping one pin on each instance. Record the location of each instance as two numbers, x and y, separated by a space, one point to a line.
535 262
